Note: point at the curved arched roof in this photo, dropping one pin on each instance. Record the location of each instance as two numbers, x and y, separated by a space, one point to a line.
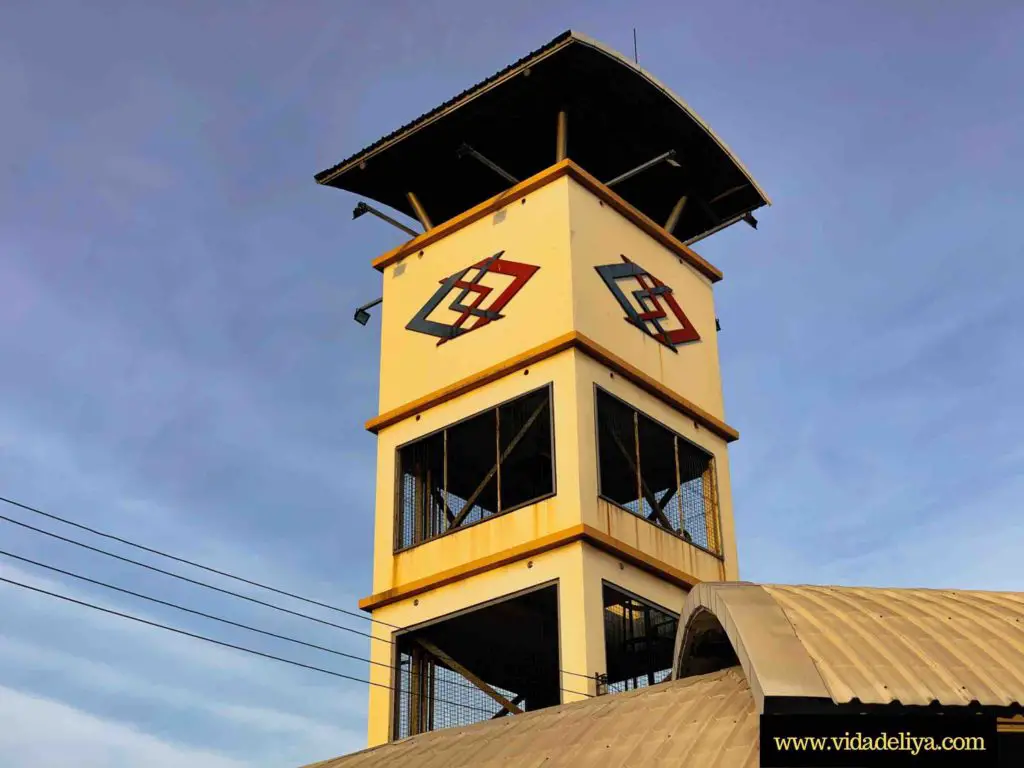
914 647
620 117
739 647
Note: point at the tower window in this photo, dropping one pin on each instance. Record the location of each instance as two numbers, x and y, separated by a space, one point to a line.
481 467
654 473
639 639
462 669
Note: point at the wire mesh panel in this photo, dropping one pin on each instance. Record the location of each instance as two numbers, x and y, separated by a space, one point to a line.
448 672
639 640
640 681
471 458
483 466
617 441
429 696
420 514
526 468
654 473
697 495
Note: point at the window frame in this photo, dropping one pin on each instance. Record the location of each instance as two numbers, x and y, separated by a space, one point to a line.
394 703
550 388
608 584
717 512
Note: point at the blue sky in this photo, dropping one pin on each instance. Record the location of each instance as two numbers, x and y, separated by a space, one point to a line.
180 365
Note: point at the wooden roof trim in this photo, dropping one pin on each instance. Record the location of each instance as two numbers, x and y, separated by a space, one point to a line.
573 340
547 176
585 533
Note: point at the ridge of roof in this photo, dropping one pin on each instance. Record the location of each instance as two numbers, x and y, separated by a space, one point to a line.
865 645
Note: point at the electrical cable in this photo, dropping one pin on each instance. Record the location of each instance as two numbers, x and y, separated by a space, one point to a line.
193 581
182 560
209 569
220 642
222 620
189 610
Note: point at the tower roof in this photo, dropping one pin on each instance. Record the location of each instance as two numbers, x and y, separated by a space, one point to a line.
619 118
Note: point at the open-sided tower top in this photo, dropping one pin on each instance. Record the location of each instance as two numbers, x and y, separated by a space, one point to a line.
618 117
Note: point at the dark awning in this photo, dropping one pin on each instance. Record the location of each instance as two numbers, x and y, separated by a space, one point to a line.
618 118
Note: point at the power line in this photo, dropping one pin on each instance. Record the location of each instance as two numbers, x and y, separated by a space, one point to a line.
184 561
193 581
189 610
229 622
220 642
194 564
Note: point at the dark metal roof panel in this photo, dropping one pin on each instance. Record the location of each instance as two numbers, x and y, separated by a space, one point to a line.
328 175
620 117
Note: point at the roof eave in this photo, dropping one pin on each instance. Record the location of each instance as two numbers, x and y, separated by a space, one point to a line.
327 176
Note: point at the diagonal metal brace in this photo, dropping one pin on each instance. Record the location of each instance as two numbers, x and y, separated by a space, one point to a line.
517 700
444 503
467 151
432 649
662 158
655 506
362 208
504 455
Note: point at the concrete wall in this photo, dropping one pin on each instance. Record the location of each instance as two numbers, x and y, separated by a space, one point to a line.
599 236
622 524
486 538
566 230
579 572
535 232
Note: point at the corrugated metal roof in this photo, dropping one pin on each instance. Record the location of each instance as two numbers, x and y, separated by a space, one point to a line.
833 645
706 721
620 117
326 176
914 647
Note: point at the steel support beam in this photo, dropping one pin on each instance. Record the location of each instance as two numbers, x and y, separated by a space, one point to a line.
362 208
677 212
644 490
504 455
562 136
662 158
467 151
421 214
432 649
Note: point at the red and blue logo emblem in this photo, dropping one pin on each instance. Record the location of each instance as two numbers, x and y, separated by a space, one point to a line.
471 309
648 303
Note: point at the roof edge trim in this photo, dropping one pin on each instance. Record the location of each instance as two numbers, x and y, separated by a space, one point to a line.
512 70
550 174
773 658
682 105
569 37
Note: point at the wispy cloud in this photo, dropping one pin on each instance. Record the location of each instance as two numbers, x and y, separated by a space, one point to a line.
162 683
39 731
